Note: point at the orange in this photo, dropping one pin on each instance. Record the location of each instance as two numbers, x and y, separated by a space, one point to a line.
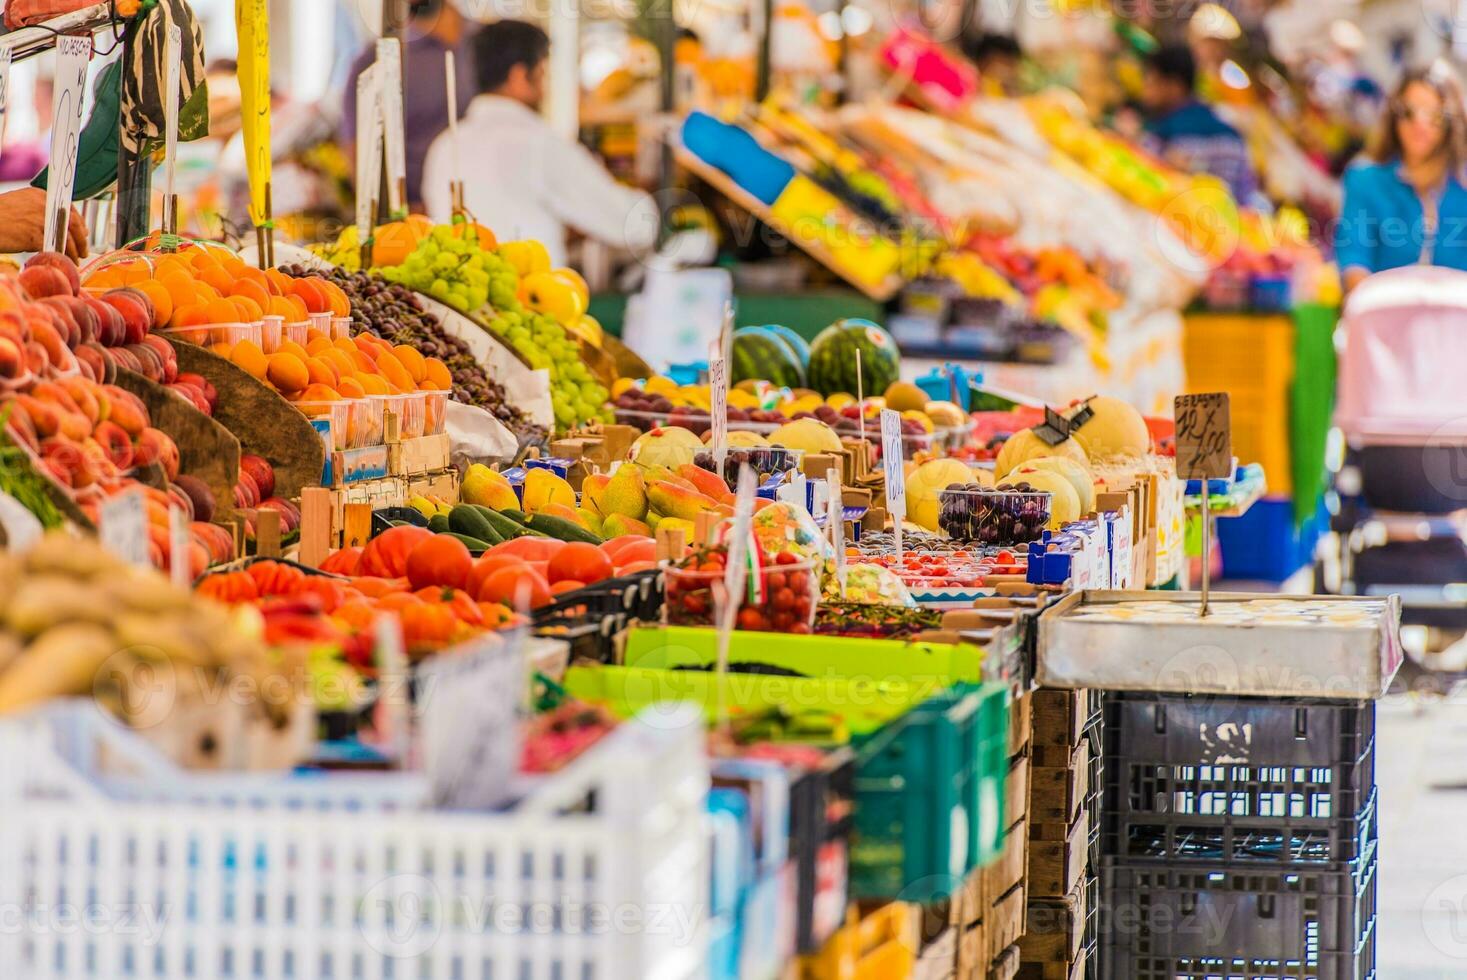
312 295
300 312
395 374
320 393
248 356
161 297
190 315
250 289
217 278
249 310
279 282
322 372
436 374
350 388
412 360
288 372
373 384
318 345
291 347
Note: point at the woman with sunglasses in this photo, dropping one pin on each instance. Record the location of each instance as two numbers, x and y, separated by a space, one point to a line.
1405 202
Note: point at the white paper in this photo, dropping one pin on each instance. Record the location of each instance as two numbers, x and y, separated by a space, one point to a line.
896 474
474 434
468 701
7 55
174 60
836 525
123 526
369 147
72 56
718 408
22 528
178 563
389 61
450 79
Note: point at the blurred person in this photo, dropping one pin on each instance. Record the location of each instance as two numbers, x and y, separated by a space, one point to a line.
521 178
1187 132
22 159
1405 203
1342 84
998 58
434 28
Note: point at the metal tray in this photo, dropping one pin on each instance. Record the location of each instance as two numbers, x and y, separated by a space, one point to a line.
1300 646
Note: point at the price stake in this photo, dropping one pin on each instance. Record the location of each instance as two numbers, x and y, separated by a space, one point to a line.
456 175
174 58
735 574
72 56
896 474
123 526
718 407
389 60
1204 452
860 400
178 563
369 150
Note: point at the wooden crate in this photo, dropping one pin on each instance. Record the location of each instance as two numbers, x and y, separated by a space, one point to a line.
1055 928
352 467
1016 788
1058 856
1021 723
333 518
999 878
443 484
938 959
1074 970
1059 716
417 456
1006 965
1059 781
1006 921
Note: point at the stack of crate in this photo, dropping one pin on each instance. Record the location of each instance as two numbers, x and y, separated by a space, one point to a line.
1240 837
988 913
1059 941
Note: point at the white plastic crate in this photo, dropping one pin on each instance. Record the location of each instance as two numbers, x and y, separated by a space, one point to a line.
115 864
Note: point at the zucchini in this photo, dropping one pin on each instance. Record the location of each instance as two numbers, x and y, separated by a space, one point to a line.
559 527
438 524
518 516
507 527
464 519
475 545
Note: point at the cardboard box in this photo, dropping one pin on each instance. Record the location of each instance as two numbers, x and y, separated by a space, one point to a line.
1059 781
414 457
1055 928
1059 716
1058 857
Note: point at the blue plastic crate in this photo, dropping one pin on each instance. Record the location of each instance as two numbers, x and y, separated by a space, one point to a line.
1265 545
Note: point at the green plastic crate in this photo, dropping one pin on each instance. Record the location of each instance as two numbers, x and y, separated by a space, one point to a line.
930 796
930 667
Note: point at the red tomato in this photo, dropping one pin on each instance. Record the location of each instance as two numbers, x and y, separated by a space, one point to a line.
515 587
487 565
342 562
440 560
528 548
613 546
635 549
386 555
566 585
636 566
581 561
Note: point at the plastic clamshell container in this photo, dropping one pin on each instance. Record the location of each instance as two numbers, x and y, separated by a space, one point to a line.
994 517
272 333
690 598
435 412
409 409
209 334
1248 644
339 412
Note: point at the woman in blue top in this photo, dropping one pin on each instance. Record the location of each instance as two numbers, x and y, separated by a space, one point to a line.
1405 203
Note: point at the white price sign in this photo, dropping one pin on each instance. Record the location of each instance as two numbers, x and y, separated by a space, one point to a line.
389 62
836 518
369 147
7 55
718 407
467 702
123 526
891 459
72 56
171 96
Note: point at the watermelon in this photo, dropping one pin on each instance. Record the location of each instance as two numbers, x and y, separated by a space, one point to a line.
833 358
796 342
760 354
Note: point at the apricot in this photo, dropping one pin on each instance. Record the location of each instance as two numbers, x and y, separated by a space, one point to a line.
340 360
248 356
374 384
218 278
162 300
249 310
300 312
395 374
340 304
414 362
280 306
291 347
322 371
249 289
222 311
134 272
320 393
223 350
350 388
287 372
312 295
179 286
436 373
206 292
318 345
191 315
279 282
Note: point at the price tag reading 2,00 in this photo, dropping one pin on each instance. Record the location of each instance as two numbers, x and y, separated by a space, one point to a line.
1204 436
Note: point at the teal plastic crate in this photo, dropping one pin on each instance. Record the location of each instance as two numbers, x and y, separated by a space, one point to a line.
930 796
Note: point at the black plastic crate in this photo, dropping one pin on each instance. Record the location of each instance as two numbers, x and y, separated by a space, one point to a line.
822 807
636 596
1238 780
1198 922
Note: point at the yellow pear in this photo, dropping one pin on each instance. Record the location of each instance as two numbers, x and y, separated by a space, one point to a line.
543 488
487 488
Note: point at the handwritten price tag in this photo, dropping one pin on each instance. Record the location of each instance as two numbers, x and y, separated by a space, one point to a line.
72 56
389 61
369 147
718 407
891 460
123 526
1204 436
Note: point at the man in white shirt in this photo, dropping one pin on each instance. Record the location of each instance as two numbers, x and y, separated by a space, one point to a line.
521 179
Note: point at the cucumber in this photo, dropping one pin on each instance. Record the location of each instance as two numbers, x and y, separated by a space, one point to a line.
464 519
475 545
559 527
518 516
507 527
438 524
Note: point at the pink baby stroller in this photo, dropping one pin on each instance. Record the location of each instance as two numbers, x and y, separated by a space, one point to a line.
1403 412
